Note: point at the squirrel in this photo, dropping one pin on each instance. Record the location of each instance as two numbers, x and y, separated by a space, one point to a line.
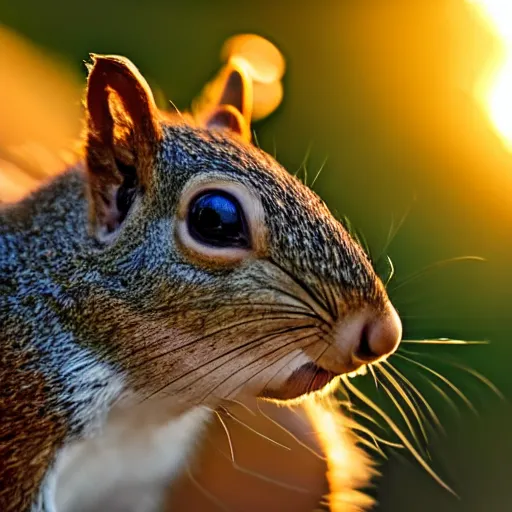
176 267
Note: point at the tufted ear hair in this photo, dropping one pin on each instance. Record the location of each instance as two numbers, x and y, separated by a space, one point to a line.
121 140
228 100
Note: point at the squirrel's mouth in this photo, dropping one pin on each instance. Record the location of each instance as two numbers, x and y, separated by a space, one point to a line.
306 379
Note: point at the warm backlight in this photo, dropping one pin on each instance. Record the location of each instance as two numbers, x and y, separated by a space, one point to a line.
498 96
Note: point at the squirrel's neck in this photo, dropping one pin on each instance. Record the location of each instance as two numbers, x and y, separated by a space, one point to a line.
53 387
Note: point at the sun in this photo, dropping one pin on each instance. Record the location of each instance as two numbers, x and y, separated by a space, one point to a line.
498 94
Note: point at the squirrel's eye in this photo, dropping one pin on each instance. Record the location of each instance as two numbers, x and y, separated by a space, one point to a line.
215 218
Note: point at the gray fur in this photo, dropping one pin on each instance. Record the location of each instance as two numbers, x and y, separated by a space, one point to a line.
106 313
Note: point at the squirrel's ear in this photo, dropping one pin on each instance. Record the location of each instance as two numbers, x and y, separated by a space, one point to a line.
229 99
228 117
122 136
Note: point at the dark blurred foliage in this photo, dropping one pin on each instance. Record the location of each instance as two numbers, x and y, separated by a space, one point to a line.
384 90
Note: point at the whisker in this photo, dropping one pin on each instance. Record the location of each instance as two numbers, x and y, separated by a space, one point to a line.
375 380
361 396
248 427
286 293
306 289
331 303
415 390
204 492
177 110
400 409
366 416
268 305
405 398
203 338
241 404
372 420
347 224
319 172
293 436
246 471
445 341
372 446
158 342
434 266
391 271
303 165
477 375
316 338
484 380
313 377
347 403
394 230
356 234
443 394
442 378
363 242
389 238
234 350
255 137
250 345
375 437
228 435
258 359
270 480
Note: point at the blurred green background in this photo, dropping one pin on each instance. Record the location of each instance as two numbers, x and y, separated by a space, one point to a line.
385 90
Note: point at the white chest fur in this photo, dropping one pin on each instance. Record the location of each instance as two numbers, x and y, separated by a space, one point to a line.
141 451
129 466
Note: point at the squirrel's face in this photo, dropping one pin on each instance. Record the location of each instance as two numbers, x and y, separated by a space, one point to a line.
237 278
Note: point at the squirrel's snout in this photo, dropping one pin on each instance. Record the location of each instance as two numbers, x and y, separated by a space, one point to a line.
363 337
379 336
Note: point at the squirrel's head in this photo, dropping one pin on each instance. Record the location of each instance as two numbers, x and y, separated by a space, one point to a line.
226 275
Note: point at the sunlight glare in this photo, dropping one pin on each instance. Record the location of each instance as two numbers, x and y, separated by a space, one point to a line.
498 97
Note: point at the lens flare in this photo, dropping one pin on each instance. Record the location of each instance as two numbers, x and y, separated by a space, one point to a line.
498 94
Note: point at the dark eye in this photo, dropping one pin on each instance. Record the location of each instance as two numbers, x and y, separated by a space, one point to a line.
216 218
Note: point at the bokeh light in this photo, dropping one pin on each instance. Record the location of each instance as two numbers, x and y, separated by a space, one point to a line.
265 64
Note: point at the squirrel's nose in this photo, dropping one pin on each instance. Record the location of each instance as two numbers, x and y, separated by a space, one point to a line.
379 336
362 337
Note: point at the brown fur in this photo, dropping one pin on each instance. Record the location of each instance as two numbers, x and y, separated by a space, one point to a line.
30 431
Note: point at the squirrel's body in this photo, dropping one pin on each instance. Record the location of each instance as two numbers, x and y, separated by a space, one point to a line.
177 262
61 389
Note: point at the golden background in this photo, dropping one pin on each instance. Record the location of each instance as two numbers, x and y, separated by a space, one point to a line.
397 96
